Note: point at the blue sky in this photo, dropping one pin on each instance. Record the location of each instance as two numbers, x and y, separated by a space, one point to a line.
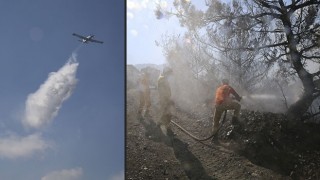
61 103
143 28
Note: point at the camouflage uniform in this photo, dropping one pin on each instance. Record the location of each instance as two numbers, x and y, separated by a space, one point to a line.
165 100
144 91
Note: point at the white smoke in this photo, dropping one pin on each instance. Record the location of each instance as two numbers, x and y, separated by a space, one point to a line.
44 104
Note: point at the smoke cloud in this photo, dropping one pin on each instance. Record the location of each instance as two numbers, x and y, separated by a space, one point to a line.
43 105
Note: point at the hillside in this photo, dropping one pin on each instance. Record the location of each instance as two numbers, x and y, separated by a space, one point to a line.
260 146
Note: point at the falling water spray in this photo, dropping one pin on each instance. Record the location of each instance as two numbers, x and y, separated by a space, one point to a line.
263 102
43 105
260 97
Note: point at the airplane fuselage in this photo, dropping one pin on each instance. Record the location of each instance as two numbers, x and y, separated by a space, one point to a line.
86 39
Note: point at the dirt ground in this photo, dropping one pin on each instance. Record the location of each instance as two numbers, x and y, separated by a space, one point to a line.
260 146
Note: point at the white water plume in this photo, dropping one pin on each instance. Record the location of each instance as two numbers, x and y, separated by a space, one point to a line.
43 105
264 102
260 97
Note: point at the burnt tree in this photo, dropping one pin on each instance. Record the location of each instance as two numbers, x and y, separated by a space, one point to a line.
285 33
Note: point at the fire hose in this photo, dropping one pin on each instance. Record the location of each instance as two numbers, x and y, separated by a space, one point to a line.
194 137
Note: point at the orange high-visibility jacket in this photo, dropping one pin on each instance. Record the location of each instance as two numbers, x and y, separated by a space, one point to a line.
223 92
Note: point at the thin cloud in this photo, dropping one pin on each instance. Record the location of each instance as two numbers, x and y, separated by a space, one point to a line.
66 174
43 105
164 4
144 3
139 5
130 15
118 176
134 32
15 146
133 5
146 27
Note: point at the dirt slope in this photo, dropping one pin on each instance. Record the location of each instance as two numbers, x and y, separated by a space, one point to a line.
260 146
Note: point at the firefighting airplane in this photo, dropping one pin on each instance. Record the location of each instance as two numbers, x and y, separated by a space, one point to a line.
86 39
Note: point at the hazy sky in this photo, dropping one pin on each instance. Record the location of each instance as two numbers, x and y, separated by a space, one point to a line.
61 103
143 29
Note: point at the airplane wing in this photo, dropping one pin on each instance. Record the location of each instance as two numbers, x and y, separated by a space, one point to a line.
93 40
82 37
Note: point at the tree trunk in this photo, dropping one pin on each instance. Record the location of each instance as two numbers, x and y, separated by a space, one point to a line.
297 109
300 107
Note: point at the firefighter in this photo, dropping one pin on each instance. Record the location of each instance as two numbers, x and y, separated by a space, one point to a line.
165 99
224 102
144 92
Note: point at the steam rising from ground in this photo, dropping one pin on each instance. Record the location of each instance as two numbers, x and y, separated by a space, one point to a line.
44 104
188 92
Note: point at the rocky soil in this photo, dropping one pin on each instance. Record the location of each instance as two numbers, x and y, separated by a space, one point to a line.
259 146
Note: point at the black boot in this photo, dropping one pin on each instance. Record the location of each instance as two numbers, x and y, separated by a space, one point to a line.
235 120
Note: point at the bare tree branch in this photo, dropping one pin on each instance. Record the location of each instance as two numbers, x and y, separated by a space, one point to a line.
257 48
294 7
310 57
283 95
308 48
265 4
316 74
